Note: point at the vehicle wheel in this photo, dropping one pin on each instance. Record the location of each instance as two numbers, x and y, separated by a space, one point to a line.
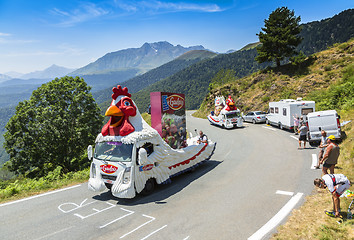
149 187
108 185
223 126
254 121
281 126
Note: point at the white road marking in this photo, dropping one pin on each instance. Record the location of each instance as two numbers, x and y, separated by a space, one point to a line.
186 238
40 195
269 128
115 220
52 234
284 193
154 232
76 206
96 211
314 161
274 221
152 219
294 137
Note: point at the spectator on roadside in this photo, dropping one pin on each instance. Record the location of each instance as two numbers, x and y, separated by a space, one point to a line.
337 184
322 147
303 135
296 124
301 121
202 138
331 155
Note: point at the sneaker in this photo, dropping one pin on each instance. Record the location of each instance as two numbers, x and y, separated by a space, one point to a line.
331 214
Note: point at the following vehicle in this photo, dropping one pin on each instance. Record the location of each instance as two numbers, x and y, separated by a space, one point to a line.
226 114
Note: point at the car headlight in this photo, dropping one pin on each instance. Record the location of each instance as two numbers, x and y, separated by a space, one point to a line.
93 170
126 175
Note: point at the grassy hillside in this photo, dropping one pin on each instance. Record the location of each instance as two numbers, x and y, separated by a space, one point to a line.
328 78
318 72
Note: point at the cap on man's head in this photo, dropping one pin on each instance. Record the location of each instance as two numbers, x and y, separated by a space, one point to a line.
332 137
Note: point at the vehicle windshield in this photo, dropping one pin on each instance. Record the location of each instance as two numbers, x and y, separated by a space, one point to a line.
114 151
260 113
233 115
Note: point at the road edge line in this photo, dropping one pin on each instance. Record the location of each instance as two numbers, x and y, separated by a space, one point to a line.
277 218
39 195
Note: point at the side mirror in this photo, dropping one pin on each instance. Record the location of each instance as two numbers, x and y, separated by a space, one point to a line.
89 152
143 157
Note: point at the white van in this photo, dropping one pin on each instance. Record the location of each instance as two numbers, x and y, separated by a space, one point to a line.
281 114
323 120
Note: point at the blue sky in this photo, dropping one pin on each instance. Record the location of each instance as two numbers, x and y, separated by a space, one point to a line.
35 34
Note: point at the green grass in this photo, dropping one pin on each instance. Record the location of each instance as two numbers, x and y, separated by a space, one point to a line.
23 187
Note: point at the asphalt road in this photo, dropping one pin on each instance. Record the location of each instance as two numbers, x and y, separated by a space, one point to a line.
255 176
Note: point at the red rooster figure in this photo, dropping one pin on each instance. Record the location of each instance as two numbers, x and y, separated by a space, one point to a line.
230 104
122 107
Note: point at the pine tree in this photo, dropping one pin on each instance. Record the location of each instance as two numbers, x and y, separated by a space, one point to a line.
279 37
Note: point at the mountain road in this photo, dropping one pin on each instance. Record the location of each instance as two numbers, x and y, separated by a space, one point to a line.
256 176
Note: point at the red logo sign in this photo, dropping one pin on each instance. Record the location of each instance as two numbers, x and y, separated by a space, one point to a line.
175 102
109 169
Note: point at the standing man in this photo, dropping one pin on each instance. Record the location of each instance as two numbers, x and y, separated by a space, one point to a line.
337 184
330 158
322 147
202 138
303 134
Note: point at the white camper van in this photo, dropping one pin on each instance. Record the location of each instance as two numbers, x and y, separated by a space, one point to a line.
323 120
281 114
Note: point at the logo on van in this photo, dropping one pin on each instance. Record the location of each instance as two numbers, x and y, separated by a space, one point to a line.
146 167
108 168
175 102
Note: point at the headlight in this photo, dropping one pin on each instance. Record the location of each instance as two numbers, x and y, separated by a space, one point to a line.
126 175
93 170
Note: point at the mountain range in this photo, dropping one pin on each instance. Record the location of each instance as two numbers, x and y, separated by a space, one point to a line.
147 57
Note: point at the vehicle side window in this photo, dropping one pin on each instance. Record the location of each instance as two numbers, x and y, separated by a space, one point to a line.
284 111
271 110
276 110
305 111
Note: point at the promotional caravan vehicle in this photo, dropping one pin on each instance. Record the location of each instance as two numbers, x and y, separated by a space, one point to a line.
281 114
323 120
130 157
226 114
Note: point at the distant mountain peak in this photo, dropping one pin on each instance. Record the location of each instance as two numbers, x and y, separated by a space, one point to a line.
148 56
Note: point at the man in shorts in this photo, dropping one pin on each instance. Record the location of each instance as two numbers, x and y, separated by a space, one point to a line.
337 184
330 157
303 134
322 147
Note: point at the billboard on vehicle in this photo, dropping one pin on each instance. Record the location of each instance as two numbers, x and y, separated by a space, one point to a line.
168 117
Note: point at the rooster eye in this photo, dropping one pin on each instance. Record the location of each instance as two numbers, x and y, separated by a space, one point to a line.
126 103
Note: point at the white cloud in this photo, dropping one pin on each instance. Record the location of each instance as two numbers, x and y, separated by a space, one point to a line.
161 6
85 12
4 34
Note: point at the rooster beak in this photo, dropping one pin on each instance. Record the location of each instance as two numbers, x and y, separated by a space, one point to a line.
116 115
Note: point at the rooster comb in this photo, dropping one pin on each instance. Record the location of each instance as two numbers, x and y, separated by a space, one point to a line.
117 91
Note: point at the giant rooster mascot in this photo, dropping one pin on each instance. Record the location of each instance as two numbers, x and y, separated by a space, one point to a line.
127 127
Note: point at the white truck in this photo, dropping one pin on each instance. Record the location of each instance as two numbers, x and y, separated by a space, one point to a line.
281 114
130 157
323 120
226 115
